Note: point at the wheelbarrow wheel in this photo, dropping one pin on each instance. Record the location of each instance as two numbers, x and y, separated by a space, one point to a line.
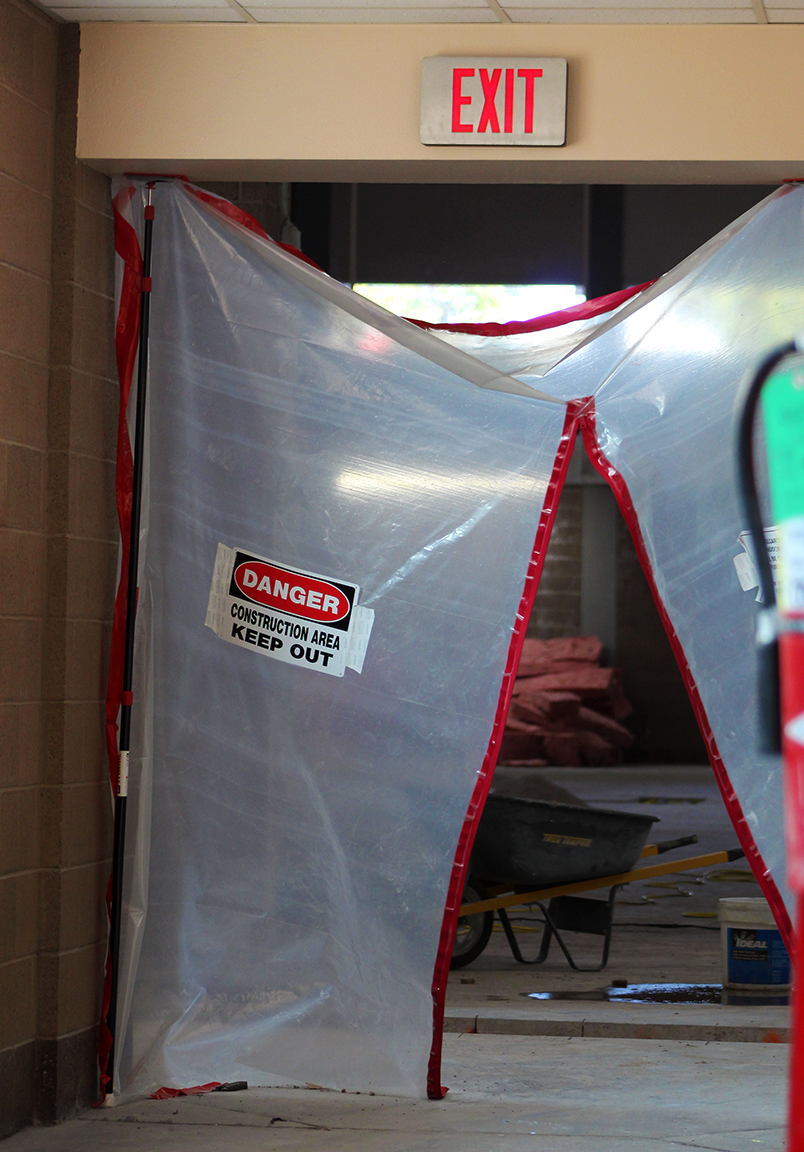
473 932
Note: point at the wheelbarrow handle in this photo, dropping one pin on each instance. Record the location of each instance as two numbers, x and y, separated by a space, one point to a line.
668 845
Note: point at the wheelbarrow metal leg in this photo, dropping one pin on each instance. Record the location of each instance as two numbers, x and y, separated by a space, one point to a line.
513 943
568 913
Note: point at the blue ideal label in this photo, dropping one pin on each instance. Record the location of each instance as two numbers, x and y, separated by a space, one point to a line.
757 956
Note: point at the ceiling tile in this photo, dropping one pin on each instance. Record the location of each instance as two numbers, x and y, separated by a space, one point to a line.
631 15
150 15
369 15
370 6
66 5
628 5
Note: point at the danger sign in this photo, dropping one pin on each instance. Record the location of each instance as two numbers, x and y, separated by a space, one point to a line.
297 593
294 616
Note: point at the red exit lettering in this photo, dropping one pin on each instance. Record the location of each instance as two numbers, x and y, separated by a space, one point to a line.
529 75
489 119
458 99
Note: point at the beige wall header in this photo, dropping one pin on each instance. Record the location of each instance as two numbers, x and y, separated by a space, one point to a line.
341 102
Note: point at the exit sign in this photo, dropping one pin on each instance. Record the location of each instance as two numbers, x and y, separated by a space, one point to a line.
494 100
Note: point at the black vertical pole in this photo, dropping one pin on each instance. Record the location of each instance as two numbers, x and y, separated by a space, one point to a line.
605 210
126 698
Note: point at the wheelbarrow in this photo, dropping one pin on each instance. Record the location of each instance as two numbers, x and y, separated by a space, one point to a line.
538 852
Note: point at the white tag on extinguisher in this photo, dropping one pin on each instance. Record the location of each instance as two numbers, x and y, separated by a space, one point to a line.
746 562
791 584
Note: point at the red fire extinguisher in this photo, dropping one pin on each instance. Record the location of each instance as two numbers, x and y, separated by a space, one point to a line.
778 388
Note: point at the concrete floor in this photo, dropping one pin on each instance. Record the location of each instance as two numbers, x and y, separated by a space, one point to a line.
547 1076
506 1093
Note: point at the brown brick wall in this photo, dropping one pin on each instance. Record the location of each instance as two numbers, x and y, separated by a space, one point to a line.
57 563
557 607
28 46
269 204
663 721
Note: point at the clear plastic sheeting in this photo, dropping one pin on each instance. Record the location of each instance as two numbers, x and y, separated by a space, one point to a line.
530 355
666 423
313 462
290 834
664 376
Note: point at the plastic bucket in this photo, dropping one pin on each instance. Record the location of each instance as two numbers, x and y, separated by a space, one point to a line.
752 951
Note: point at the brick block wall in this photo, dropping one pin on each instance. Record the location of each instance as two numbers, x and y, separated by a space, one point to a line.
28 49
663 721
81 567
557 607
268 203
57 567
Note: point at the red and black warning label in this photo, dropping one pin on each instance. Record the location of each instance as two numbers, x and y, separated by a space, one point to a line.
293 593
292 615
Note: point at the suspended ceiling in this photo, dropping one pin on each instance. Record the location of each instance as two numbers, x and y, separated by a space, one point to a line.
436 11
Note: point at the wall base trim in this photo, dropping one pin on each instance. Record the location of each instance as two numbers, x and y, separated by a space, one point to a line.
47 1081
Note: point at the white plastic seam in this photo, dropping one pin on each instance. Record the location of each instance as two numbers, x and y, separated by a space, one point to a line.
401 331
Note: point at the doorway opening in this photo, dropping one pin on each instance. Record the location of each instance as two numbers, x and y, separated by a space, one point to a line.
389 241
594 240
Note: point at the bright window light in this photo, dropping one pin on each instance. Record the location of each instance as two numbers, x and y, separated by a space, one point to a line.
472 303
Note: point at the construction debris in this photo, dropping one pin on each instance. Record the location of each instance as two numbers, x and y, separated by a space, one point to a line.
566 709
